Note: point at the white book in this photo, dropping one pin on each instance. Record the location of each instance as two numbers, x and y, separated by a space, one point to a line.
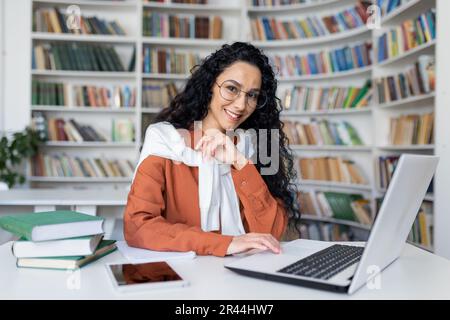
81 246
136 255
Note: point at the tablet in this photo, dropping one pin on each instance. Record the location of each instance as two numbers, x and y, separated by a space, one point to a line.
144 276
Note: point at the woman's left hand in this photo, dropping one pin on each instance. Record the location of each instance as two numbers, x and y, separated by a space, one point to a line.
219 146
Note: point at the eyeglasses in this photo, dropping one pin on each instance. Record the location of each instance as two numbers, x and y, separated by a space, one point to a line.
230 90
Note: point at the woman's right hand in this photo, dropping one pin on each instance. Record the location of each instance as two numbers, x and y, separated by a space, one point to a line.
249 241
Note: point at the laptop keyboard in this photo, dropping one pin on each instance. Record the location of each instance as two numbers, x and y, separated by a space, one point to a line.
326 263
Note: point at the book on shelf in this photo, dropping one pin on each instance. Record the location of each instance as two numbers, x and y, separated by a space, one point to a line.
80 246
343 206
63 165
331 98
270 28
408 35
122 130
325 62
387 6
333 169
104 96
77 57
168 61
49 93
157 93
189 26
328 232
53 20
321 133
274 3
52 225
412 129
59 129
386 166
68 263
416 80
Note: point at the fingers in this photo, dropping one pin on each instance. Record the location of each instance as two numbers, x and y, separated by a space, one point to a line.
208 145
267 240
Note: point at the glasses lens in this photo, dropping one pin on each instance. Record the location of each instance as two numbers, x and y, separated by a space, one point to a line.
229 90
261 101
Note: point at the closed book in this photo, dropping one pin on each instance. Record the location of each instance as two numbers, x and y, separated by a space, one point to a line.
52 225
68 263
81 246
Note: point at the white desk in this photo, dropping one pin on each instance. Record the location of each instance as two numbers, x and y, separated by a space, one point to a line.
417 274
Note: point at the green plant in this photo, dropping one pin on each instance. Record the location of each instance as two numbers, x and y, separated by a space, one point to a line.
13 151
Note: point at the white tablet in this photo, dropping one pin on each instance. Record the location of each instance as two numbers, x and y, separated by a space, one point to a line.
144 276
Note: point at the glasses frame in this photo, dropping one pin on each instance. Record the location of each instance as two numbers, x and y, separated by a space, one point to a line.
239 94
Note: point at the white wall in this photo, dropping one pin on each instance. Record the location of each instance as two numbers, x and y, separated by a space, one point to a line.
442 132
15 94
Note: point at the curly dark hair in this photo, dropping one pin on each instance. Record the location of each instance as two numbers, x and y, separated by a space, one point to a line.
192 105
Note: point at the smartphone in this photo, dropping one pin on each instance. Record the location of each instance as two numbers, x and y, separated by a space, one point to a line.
144 276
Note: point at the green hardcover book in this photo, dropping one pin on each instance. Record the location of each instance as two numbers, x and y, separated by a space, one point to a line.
354 137
362 93
52 225
34 92
340 204
68 263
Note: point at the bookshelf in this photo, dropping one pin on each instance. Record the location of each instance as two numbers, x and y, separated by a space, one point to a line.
372 122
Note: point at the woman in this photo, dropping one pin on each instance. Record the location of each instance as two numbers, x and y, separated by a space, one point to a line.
220 204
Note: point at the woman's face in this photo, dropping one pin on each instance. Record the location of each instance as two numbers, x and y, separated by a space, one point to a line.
226 111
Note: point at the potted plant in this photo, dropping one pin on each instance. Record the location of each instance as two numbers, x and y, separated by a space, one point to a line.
13 151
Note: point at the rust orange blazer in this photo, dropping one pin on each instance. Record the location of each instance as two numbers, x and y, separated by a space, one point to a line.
163 213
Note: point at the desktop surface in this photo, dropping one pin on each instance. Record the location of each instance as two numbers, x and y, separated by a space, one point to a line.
417 274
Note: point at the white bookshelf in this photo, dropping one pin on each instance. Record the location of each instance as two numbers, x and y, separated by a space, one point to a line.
236 15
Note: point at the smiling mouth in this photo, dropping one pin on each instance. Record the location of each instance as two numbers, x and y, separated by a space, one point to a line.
232 116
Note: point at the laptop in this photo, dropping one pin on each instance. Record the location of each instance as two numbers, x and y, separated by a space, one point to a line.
346 268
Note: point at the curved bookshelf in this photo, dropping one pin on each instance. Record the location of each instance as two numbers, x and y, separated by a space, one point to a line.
289 8
83 109
336 221
88 144
83 37
331 148
349 73
192 7
106 3
333 184
78 179
207 43
404 102
88 74
410 53
399 11
333 112
312 41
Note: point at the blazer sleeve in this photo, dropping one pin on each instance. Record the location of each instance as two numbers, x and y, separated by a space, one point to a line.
263 212
145 225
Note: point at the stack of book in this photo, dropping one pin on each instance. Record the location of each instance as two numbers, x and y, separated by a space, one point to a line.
321 133
333 169
324 62
321 99
409 35
266 28
64 240
157 94
78 57
44 165
417 80
412 129
351 207
168 61
157 24
54 21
